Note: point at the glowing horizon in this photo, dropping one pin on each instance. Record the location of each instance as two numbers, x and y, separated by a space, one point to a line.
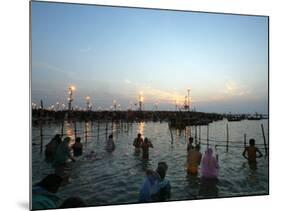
115 53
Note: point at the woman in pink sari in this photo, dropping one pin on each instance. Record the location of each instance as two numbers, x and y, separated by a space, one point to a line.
210 166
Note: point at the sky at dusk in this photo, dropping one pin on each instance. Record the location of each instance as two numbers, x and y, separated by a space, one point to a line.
113 53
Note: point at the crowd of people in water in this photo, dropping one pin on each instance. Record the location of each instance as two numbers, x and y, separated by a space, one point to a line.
156 187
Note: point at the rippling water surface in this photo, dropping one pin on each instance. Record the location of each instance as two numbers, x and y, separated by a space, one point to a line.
115 178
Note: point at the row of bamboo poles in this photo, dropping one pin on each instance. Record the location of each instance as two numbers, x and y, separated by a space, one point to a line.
198 139
125 125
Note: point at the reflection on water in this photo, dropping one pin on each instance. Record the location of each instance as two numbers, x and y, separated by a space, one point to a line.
116 177
70 130
141 128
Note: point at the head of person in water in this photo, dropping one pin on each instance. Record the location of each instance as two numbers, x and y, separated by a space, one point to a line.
197 147
78 140
252 142
152 176
73 202
110 136
190 140
162 169
139 135
51 183
58 138
146 140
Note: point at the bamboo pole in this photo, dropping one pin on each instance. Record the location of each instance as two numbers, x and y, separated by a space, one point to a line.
98 129
106 129
86 132
172 138
75 130
195 134
199 134
41 127
62 125
264 140
41 136
227 137
208 136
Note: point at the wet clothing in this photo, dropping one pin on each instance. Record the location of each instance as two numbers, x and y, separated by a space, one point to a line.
42 199
189 147
155 189
209 167
163 191
110 146
148 188
51 148
145 149
137 144
77 149
193 161
62 154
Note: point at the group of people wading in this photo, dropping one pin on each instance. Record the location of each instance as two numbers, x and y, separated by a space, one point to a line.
58 152
155 187
143 145
210 165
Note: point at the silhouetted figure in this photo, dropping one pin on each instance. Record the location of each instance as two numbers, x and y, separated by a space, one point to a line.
190 145
137 143
250 153
145 148
63 153
43 193
110 145
77 147
62 156
51 147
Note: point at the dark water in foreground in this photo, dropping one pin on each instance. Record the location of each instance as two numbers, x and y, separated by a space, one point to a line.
116 177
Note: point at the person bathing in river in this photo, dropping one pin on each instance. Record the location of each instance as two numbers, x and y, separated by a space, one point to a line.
63 153
163 185
193 160
209 166
250 153
77 147
190 144
145 148
110 145
155 186
51 147
62 156
137 143
149 186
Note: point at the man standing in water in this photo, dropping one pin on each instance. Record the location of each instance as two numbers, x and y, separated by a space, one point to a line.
190 144
138 143
250 153
145 148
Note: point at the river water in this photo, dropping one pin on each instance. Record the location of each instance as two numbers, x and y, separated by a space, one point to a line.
116 178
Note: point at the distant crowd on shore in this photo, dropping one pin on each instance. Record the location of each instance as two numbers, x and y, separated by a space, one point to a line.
156 187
